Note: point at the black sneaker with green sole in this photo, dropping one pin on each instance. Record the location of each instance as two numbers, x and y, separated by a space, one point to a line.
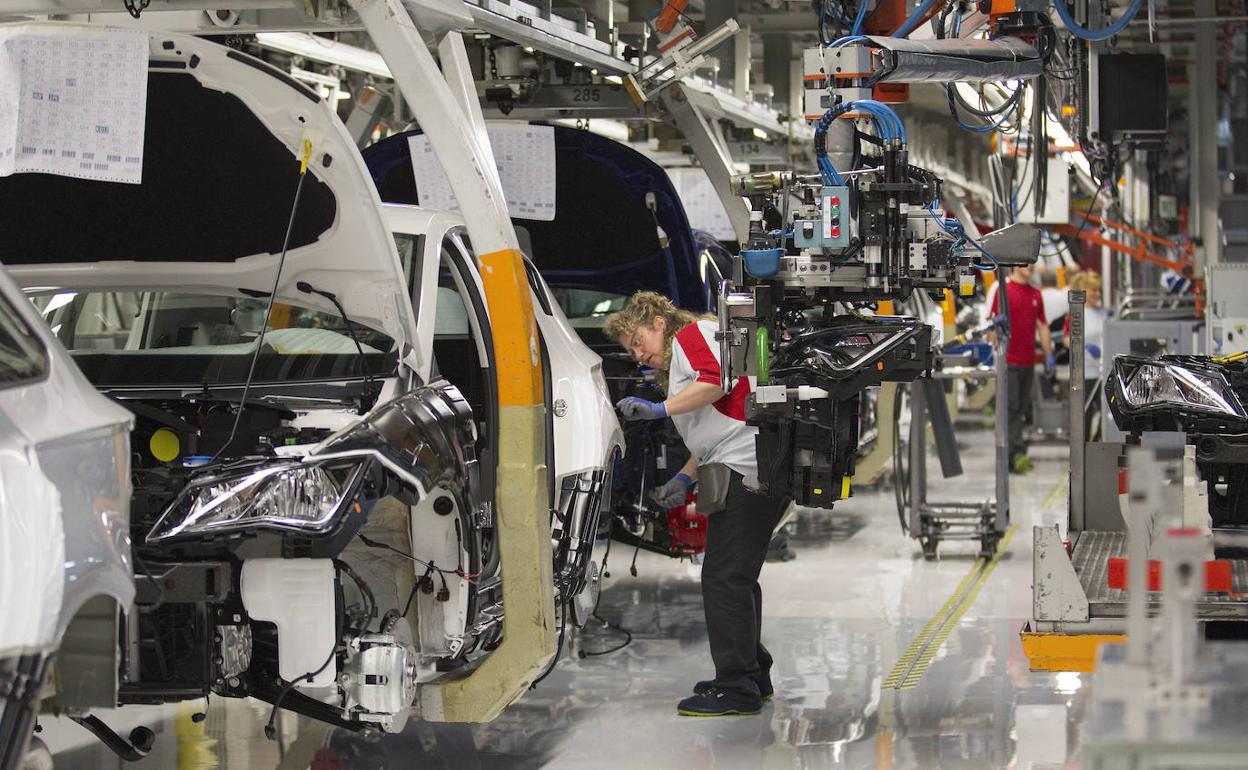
719 703
765 690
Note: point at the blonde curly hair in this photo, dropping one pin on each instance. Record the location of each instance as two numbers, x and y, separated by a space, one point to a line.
642 309
1085 281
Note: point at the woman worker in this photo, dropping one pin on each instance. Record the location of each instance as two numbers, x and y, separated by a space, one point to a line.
1093 321
1093 338
712 423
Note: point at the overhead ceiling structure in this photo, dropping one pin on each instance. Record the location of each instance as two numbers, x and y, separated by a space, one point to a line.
537 62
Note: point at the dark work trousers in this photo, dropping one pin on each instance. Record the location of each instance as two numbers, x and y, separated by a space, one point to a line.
736 544
1021 387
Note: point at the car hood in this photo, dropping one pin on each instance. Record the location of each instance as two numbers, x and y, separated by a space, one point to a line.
222 142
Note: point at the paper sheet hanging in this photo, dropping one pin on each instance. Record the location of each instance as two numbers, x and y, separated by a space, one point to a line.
525 156
73 102
702 205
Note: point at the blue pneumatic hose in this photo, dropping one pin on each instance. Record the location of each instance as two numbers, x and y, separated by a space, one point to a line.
1083 33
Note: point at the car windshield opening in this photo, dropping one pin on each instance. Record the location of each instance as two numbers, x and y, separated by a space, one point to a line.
143 337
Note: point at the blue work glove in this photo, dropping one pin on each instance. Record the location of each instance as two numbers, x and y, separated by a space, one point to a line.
1050 365
1095 351
673 493
633 408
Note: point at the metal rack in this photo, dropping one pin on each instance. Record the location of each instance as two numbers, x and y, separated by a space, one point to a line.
932 523
1075 609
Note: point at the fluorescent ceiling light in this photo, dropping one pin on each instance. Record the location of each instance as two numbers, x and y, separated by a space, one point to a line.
326 50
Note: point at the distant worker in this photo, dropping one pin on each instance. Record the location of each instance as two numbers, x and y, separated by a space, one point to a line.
1093 322
1093 337
712 424
1027 322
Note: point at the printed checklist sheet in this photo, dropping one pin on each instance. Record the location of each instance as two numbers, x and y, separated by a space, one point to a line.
525 156
73 102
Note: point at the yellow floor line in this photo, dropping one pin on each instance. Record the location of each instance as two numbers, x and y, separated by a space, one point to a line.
913 664
1063 482
903 663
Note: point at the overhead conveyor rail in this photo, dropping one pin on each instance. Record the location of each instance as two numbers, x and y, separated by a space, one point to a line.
548 32
537 26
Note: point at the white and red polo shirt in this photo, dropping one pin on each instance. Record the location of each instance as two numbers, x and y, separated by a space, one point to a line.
715 433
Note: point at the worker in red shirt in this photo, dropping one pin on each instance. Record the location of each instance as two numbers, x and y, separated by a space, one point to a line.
1027 322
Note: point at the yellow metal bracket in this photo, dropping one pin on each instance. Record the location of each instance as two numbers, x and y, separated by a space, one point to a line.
1062 651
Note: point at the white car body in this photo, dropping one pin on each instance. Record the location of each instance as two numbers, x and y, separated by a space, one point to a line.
64 507
585 424
346 247
63 456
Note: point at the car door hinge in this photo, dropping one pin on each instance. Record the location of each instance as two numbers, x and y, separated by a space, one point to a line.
483 515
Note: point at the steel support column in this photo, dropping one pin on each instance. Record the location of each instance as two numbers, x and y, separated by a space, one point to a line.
710 152
778 69
717 12
1076 404
1204 140
741 64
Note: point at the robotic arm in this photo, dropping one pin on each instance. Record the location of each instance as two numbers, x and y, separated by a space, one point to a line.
680 52
853 238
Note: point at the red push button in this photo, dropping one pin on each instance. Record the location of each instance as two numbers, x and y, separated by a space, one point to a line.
836 232
836 200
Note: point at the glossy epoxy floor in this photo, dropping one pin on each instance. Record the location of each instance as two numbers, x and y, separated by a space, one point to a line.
836 619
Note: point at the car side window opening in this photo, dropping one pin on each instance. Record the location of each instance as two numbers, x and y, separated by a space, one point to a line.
461 351
409 248
96 321
22 356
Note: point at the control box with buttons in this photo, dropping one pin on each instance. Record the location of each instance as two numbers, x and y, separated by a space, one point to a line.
831 230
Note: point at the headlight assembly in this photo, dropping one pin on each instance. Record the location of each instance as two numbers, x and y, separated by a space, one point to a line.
1155 384
303 496
425 438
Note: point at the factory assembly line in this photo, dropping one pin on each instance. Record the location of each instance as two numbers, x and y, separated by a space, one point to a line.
341 342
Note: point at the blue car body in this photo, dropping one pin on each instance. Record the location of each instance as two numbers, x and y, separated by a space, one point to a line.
604 236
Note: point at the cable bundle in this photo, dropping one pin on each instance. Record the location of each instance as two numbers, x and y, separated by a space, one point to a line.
999 115
955 230
887 124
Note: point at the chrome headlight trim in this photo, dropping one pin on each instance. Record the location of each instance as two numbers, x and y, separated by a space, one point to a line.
296 495
1158 384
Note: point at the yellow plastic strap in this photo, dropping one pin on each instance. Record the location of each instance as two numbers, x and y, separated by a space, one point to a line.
515 329
307 153
845 486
